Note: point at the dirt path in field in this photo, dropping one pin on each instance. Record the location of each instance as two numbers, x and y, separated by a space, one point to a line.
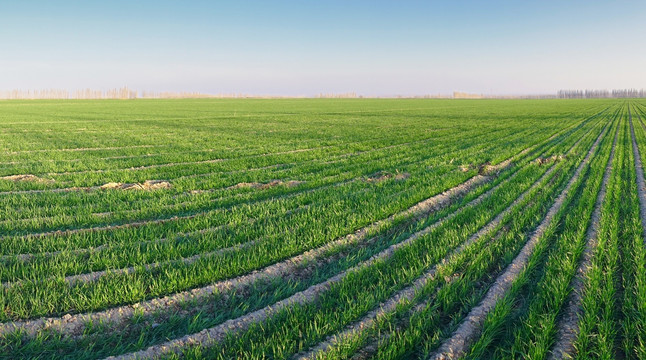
568 325
408 294
457 346
641 184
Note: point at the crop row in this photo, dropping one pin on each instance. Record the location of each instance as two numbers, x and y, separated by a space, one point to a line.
236 275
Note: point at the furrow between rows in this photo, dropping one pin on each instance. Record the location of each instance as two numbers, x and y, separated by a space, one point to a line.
568 325
641 184
459 342
409 293
95 275
215 334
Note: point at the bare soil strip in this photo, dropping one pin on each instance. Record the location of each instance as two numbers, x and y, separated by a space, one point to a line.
26 177
456 346
383 176
641 184
146 185
75 323
568 325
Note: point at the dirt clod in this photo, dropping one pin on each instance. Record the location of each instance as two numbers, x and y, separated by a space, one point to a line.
553 158
263 186
384 175
146 185
483 169
25 177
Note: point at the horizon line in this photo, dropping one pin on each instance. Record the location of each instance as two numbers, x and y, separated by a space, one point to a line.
127 93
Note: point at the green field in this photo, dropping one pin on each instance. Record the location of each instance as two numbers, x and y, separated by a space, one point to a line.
323 229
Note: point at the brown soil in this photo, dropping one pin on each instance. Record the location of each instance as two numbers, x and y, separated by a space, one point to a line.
384 175
26 177
483 169
263 186
103 214
146 185
550 159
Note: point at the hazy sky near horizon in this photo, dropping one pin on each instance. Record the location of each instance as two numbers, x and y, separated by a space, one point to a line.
306 47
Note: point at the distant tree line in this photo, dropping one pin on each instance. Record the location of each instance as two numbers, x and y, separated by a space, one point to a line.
121 93
348 95
126 93
595 94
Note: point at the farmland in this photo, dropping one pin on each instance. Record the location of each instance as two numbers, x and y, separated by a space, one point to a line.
322 229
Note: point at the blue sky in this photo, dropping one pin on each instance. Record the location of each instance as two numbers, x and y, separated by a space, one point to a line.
306 47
